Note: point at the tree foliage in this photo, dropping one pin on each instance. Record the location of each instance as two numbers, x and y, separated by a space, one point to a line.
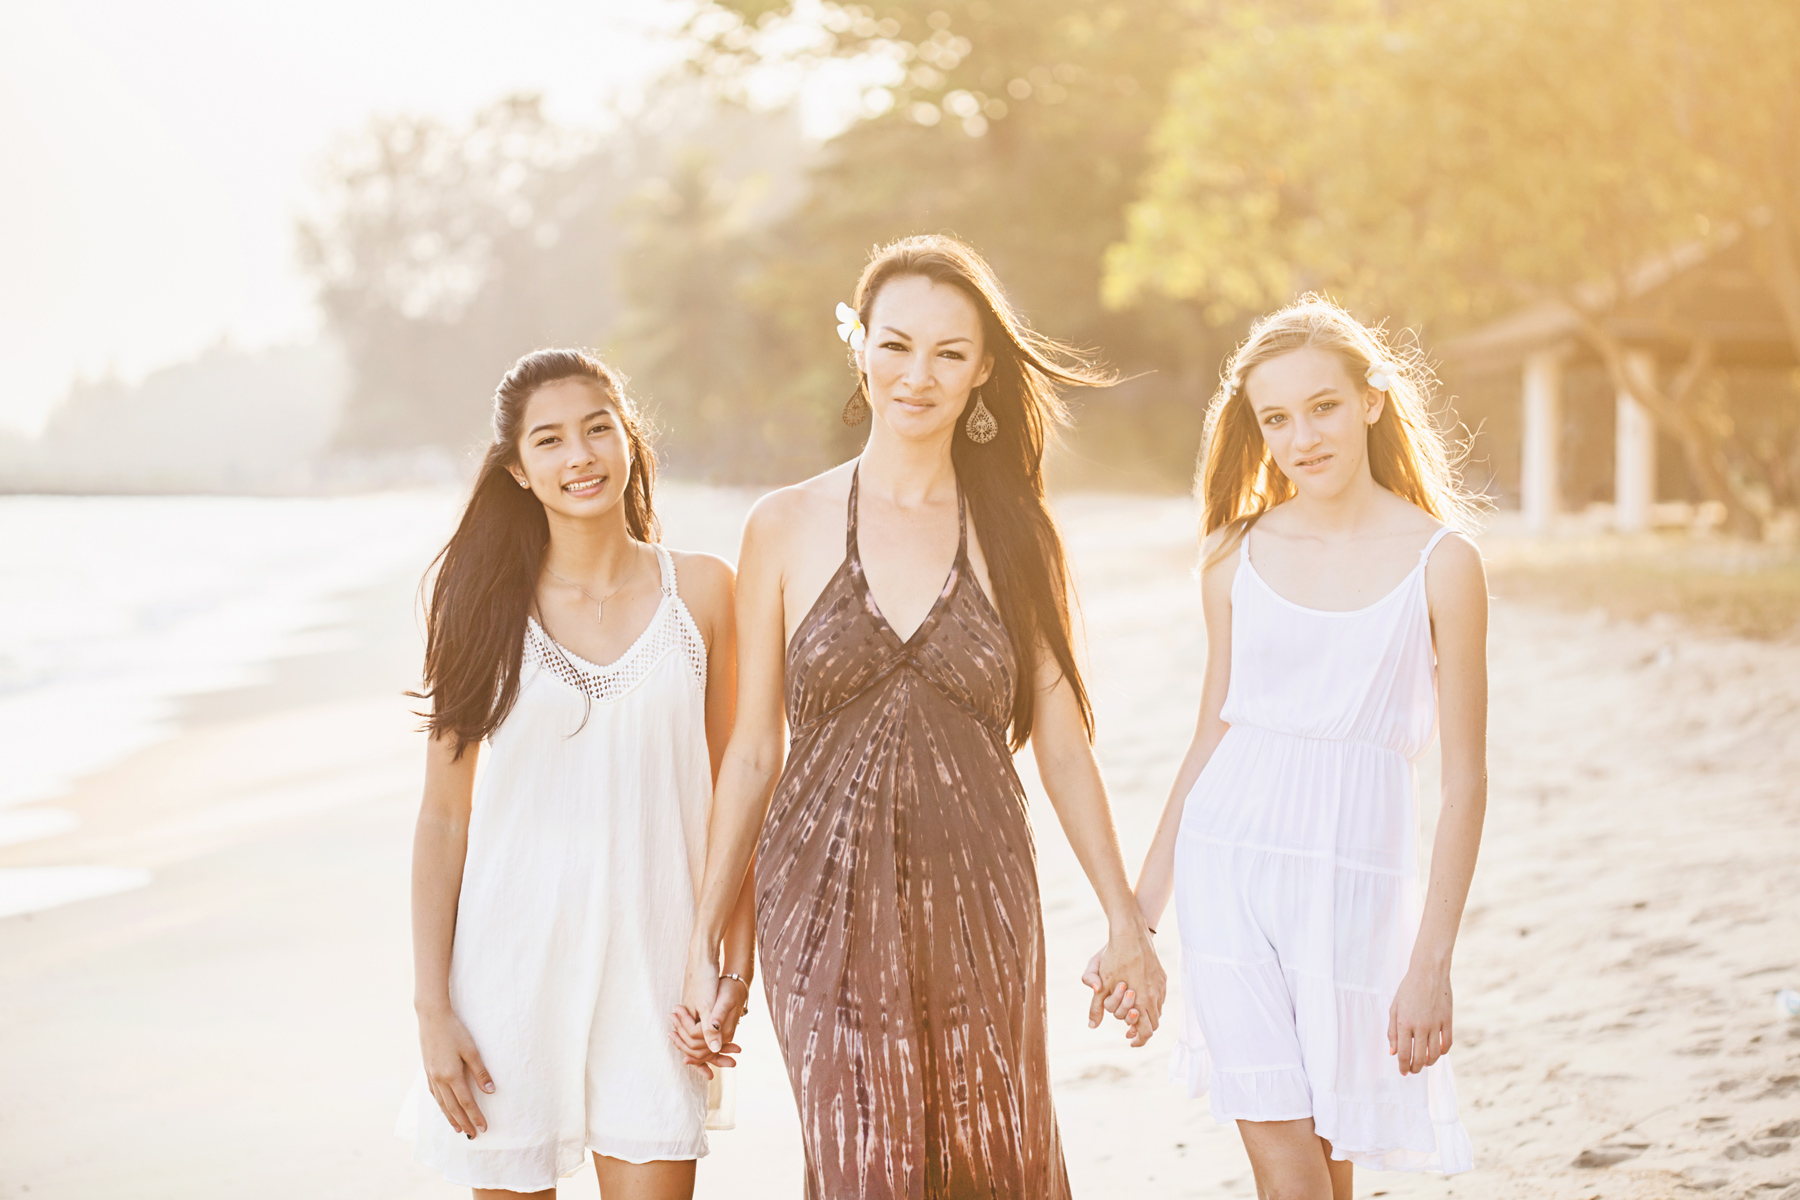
1442 162
442 253
1145 175
1018 125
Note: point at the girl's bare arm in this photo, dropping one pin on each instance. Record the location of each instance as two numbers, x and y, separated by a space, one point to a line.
453 1065
1419 1024
1156 882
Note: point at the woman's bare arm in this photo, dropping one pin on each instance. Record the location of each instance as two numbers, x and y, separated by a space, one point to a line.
1071 778
713 603
739 942
1419 1022
749 767
453 1066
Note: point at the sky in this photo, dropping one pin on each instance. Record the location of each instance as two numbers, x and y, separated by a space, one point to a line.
154 156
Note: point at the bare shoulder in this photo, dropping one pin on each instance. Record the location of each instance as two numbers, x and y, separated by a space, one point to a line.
780 514
1219 559
1455 572
704 582
704 572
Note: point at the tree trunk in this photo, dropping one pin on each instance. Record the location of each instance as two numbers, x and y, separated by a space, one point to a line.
1704 452
1781 271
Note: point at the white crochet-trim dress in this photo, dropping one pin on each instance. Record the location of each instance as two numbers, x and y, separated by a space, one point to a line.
1296 878
587 839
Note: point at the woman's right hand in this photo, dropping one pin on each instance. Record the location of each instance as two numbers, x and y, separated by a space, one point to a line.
454 1070
696 1032
701 1031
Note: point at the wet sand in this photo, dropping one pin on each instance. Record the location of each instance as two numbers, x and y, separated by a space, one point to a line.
242 1024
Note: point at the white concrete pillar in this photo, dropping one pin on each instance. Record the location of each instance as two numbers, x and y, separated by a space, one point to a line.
1540 460
1634 452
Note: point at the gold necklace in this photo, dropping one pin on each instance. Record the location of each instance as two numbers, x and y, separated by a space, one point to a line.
600 601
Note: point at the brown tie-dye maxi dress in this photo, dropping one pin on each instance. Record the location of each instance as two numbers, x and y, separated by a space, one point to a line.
897 905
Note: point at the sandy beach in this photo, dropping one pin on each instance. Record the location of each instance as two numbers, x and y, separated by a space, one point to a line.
241 1024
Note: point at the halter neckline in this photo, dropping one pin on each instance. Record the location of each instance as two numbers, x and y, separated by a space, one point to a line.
853 562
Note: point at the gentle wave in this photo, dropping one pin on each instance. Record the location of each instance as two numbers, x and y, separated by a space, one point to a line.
112 609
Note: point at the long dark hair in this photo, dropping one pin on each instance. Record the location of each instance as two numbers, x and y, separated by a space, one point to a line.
487 574
1004 479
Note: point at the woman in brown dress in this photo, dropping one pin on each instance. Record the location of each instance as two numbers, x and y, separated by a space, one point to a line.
896 880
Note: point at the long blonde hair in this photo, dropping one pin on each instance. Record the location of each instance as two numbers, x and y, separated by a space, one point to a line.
1410 454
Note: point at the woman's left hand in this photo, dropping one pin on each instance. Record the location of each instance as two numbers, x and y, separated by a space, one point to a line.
1139 983
1419 1019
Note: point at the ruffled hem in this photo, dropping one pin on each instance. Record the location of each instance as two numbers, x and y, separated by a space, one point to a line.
468 1163
643 1152
463 1163
1382 1135
1190 1068
1279 1094
1376 1135
536 1168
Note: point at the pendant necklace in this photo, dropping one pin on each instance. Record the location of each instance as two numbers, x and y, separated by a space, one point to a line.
599 601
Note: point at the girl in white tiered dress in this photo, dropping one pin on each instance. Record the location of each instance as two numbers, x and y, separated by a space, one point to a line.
554 896
1344 618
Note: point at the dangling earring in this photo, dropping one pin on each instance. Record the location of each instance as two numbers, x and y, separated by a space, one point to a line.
981 426
856 409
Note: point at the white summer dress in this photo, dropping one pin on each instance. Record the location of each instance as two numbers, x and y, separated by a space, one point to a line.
587 839
1297 879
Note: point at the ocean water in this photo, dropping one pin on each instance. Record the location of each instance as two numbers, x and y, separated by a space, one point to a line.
114 608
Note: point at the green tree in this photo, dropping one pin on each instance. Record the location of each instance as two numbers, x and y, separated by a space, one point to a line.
701 346
1018 125
443 252
1444 161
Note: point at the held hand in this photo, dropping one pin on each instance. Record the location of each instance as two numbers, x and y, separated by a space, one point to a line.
731 1003
1091 977
1134 981
688 1032
700 994
454 1070
686 1036
1419 1019
1120 1001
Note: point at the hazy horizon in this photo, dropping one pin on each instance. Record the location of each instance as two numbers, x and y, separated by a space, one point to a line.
159 158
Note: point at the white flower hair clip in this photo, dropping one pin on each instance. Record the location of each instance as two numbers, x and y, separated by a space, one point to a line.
850 326
1382 375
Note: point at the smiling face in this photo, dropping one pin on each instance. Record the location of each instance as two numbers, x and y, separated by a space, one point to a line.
573 450
922 356
1314 419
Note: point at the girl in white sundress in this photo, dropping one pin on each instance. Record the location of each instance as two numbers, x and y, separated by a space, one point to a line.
1346 624
553 897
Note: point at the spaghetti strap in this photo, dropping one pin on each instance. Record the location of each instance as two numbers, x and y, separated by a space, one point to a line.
962 524
1425 554
666 562
850 518
853 552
